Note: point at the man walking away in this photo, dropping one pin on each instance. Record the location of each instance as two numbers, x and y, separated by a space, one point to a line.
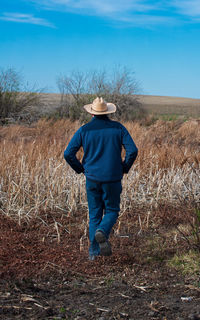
102 140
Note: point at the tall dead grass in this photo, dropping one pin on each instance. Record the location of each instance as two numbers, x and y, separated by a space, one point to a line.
34 176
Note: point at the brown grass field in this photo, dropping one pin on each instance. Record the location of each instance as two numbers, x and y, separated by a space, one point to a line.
155 264
34 174
154 105
171 106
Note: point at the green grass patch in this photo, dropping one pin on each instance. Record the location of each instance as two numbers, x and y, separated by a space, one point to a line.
187 263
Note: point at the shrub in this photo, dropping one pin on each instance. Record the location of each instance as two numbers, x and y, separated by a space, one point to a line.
13 96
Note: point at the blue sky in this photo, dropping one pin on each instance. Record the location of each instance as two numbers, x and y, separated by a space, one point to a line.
158 40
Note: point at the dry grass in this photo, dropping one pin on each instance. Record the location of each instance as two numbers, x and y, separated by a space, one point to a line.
156 105
164 105
35 177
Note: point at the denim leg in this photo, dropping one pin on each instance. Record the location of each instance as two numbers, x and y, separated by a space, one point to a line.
111 198
96 206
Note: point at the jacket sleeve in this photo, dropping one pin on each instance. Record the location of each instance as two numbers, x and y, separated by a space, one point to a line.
130 148
71 150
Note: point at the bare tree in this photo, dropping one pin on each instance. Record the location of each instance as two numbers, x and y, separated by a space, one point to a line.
74 93
98 83
123 89
119 86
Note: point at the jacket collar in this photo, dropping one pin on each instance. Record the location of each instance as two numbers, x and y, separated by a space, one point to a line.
101 117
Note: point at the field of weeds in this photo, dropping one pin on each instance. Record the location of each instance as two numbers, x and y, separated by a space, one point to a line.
44 226
35 177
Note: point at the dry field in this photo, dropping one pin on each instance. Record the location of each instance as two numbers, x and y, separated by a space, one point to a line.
161 105
153 105
44 271
34 175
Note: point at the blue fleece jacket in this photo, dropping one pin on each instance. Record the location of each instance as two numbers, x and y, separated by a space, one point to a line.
102 140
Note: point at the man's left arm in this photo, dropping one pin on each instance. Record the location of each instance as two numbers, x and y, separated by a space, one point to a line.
71 150
131 150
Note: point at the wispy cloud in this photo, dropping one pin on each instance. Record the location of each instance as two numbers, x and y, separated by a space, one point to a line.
188 7
147 20
25 18
100 6
138 12
131 12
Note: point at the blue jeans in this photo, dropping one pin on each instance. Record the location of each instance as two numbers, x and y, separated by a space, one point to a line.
104 206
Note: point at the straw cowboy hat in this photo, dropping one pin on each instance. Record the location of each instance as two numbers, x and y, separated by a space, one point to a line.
99 106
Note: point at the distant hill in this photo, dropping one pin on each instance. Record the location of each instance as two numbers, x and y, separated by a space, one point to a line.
162 105
156 105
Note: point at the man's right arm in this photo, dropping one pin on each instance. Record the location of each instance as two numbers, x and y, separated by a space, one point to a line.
71 150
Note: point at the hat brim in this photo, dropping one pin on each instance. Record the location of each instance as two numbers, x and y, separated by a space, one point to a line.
111 108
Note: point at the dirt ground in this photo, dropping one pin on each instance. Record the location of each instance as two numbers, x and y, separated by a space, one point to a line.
42 278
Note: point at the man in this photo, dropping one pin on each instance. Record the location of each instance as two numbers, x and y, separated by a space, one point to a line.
102 141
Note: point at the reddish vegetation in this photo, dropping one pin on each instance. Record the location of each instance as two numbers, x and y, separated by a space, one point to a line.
41 267
44 279
29 251
33 249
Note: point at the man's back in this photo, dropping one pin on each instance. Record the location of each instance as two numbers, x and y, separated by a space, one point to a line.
102 141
